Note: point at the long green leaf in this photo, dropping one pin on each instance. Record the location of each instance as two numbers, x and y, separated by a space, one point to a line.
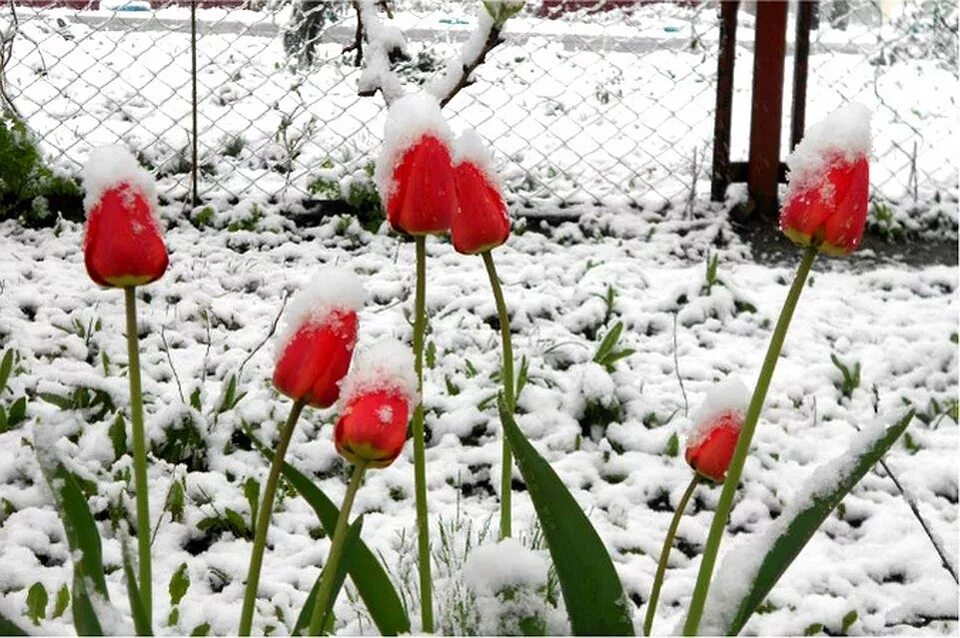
10 628
82 537
349 550
796 526
371 580
591 588
6 366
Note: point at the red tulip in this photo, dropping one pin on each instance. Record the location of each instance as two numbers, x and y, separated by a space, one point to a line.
832 209
123 246
481 223
710 453
376 401
424 196
318 341
372 428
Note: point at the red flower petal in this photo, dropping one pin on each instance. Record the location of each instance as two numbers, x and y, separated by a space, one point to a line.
373 428
481 222
424 196
712 454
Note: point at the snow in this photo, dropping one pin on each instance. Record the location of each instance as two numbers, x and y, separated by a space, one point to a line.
739 566
495 567
381 39
443 83
729 395
111 166
328 290
385 365
470 147
844 135
410 118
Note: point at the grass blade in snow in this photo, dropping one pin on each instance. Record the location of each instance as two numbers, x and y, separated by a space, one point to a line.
140 621
750 570
82 537
590 585
10 628
349 550
371 580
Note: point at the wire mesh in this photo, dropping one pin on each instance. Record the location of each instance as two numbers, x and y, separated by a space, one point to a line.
583 103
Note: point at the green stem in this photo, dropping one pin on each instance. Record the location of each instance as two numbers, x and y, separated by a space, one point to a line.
336 552
263 519
140 485
506 464
419 452
743 444
665 554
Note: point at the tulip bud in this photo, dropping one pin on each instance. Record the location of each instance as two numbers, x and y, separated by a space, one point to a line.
481 223
716 429
829 183
122 245
376 401
317 343
414 172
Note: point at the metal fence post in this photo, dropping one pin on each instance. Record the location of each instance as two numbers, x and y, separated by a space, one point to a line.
722 118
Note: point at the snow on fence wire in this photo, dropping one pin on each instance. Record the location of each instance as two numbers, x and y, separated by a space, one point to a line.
585 106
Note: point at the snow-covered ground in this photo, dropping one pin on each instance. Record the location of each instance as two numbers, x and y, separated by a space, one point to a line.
612 107
609 436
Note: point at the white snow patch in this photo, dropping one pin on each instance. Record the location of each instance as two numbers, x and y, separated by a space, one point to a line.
110 166
386 365
844 134
410 118
493 568
729 395
330 289
739 567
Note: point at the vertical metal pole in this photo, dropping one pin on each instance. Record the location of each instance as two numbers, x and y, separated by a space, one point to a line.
766 116
193 81
720 177
801 56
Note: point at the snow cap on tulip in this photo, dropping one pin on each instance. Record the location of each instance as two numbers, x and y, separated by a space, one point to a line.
122 245
376 401
829 182
716 428
316 345
481 222
414 172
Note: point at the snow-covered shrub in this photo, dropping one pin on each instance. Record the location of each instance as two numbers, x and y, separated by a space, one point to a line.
307 22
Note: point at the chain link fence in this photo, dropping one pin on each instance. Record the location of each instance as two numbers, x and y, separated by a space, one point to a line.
583 105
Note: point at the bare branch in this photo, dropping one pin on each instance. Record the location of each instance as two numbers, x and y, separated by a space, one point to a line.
382 40
357 38
6 54
474 52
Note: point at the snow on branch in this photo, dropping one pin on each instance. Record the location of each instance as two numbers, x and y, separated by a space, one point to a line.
382 41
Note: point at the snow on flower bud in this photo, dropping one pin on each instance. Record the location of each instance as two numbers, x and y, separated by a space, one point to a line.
414 173
316 346
829 183
716 429
376 401
481 223
122 245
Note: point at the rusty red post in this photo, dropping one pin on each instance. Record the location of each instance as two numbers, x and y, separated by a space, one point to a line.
766 115
806 16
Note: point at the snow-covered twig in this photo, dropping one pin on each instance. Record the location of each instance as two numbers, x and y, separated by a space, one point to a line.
461 66
381 41
6 54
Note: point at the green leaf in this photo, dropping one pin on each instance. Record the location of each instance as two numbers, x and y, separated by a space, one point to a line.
847 622
368 576
804 523
201 630
17 412
251 491
673 445
195 400
591 588
118 436
431 355
522 377
179 584
349 549
229 395
37 603
63 599
609 343
10 628
83 540
6 367
140 622
62 402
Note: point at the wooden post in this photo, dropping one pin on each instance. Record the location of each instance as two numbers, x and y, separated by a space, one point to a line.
720 177
766 115
805 18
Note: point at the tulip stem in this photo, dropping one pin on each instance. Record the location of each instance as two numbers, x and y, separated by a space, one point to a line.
725 503
140 485
665 554
419 452
329 573
506 463
263 518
